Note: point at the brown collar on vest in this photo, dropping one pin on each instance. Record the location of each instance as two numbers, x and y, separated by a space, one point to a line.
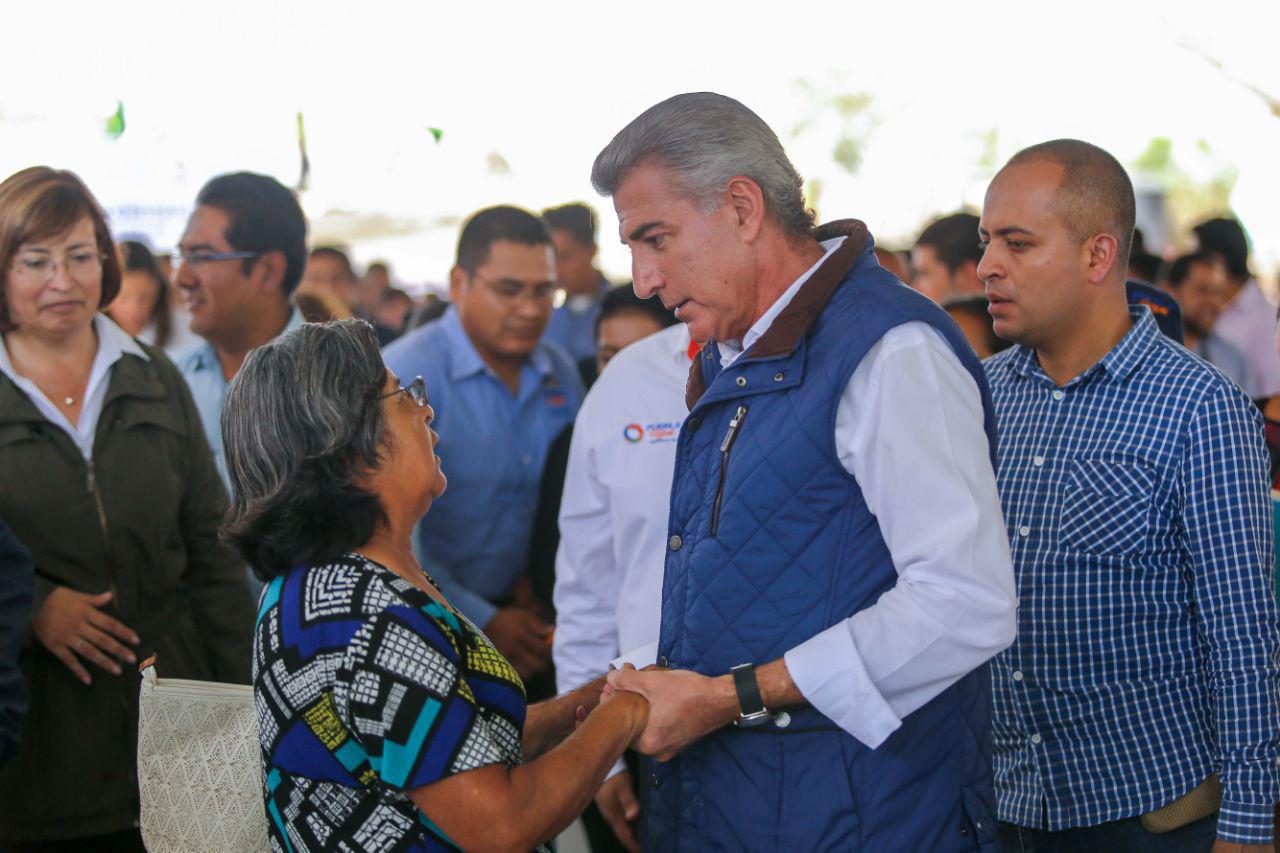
789 327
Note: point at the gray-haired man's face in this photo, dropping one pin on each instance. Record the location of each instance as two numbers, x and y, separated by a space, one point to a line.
696 263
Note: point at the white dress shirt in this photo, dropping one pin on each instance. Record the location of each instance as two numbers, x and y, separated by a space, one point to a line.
113 343
909 428
1248 322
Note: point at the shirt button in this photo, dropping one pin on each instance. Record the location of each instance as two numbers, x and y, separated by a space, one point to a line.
1017 675
1058 395
1038 461
693 424
782 720
778 377
663 662
742 382
653 781
675 542
1035 739
1024 531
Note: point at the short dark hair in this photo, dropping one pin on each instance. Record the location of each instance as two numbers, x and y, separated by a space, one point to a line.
301 421
577 219
954 239
378 266
138 258
1095 193
1181 268
492 224
975 305
265 217
40 202
336 254
623 300
394 294
1225 238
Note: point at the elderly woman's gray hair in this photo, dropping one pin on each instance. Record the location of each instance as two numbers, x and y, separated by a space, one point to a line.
300 424
706 139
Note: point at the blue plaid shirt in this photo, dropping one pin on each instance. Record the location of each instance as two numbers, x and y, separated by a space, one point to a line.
1148 649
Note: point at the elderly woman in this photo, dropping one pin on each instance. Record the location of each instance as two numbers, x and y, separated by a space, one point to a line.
388 721
106 477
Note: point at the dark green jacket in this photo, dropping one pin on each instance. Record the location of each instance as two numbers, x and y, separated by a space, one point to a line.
143 521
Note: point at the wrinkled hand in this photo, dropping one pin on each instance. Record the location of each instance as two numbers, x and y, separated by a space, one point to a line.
72 626
617 802
683 706
523 639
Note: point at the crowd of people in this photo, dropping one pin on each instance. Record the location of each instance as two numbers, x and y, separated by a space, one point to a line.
792 542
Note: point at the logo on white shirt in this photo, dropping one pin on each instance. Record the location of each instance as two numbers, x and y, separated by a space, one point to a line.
661 432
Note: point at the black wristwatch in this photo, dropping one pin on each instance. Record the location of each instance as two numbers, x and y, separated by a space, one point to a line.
751 709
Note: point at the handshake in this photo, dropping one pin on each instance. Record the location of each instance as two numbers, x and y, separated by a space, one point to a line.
683 706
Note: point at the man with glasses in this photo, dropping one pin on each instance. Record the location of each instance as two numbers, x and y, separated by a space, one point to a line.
501 395
238 262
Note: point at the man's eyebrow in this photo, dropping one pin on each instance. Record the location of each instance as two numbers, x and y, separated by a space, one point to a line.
1014 229
197 247
638 233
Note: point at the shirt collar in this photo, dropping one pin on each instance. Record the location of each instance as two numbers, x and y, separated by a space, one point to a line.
113 342
465 359
1119 363
780 304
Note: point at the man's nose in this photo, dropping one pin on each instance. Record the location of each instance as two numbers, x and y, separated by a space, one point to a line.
987 265
645 279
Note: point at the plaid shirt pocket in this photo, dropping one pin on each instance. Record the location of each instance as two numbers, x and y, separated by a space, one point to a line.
1106 506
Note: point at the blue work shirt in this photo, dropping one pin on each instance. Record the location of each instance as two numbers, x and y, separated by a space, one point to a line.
203 372
475 540
575 331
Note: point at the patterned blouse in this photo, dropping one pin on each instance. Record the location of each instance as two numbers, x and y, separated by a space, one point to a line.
367 688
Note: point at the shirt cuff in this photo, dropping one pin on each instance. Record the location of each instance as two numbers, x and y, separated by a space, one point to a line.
1246 823
829 672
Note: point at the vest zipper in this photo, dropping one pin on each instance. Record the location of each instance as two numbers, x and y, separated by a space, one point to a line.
726 446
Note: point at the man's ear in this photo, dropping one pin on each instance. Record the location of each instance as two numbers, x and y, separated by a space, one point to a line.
269 270
1103 256
458 280
744 198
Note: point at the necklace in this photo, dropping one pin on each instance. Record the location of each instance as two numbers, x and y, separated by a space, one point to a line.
68 401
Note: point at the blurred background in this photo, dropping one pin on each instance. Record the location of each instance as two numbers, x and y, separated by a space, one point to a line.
394 120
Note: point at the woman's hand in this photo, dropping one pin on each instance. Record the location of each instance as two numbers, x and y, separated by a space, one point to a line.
72 625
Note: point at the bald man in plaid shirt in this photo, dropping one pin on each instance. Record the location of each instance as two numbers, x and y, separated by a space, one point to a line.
1133 478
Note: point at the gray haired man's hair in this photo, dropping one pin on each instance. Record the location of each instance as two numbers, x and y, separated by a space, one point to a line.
706 139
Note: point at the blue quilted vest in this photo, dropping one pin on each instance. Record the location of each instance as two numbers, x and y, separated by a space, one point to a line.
771 543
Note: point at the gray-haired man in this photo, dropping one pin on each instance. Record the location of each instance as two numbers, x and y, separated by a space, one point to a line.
836 543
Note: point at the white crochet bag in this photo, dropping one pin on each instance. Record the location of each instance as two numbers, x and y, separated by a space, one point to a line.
199 767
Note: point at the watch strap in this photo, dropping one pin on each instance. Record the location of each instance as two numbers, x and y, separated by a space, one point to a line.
750 702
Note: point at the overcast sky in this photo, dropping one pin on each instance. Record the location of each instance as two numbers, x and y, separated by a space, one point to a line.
214 87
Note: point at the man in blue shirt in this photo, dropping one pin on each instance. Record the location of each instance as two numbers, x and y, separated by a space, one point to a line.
501 396
241 257
1134 483
573 324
